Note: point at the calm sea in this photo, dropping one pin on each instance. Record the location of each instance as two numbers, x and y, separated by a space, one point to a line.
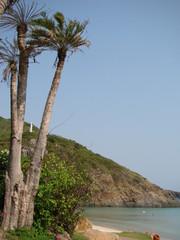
164 221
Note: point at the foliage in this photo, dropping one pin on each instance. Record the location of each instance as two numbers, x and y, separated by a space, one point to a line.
78 236
34 234
73 153
57 34
4 155
5 132
61 196
62 193
28 234
135 235
20 14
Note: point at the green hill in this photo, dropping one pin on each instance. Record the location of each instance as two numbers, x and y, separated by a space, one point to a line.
113 185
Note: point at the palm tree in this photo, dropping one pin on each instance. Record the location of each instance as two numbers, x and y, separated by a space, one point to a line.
62 37
9 56
19 19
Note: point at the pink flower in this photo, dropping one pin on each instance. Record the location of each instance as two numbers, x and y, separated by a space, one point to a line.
2 214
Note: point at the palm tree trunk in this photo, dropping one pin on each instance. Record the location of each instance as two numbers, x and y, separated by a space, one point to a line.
21 102
34 171
14 177
3 4
15 190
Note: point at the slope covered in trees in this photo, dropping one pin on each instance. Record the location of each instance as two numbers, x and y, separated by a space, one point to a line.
113 184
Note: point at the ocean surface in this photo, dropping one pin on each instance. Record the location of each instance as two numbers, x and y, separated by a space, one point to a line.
163 221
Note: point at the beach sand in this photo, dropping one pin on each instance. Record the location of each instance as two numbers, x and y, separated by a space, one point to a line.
105 229
112 230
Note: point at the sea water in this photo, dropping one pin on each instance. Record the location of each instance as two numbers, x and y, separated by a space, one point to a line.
163 221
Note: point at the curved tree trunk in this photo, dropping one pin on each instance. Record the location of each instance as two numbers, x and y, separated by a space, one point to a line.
34 171
3 4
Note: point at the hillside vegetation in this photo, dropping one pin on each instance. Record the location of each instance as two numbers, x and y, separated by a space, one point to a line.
113 185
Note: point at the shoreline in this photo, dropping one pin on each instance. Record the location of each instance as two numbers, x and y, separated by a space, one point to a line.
105 229
112 230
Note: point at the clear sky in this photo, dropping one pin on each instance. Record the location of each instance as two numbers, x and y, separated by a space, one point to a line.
121 97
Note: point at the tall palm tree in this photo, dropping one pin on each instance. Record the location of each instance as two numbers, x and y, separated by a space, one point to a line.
19 19
63 37
9 56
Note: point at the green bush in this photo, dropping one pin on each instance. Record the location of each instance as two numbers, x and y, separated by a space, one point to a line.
4 155
61 196
28 234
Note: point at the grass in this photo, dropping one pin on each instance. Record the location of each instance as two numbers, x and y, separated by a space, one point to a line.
135 235
28 234
34 234
78 236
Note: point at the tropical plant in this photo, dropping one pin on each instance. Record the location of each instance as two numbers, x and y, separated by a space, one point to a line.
61 196
4 155
53 34
29 234
18 18
62 37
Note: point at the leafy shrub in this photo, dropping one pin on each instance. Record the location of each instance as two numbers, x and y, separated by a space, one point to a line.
28 234
61 196
4 155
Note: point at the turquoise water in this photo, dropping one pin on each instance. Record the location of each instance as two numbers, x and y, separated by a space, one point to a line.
164 221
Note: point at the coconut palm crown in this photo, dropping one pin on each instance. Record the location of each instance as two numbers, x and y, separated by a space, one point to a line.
57 34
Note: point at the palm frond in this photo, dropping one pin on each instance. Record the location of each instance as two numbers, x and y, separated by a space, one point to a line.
6 72
59 17
43 23
8 56
8 52
74 35
59 35
20 14
9 5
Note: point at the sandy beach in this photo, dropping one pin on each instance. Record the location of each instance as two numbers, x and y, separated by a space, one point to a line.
105 229
112 230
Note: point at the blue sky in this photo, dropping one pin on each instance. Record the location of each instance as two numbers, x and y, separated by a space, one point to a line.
120 98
